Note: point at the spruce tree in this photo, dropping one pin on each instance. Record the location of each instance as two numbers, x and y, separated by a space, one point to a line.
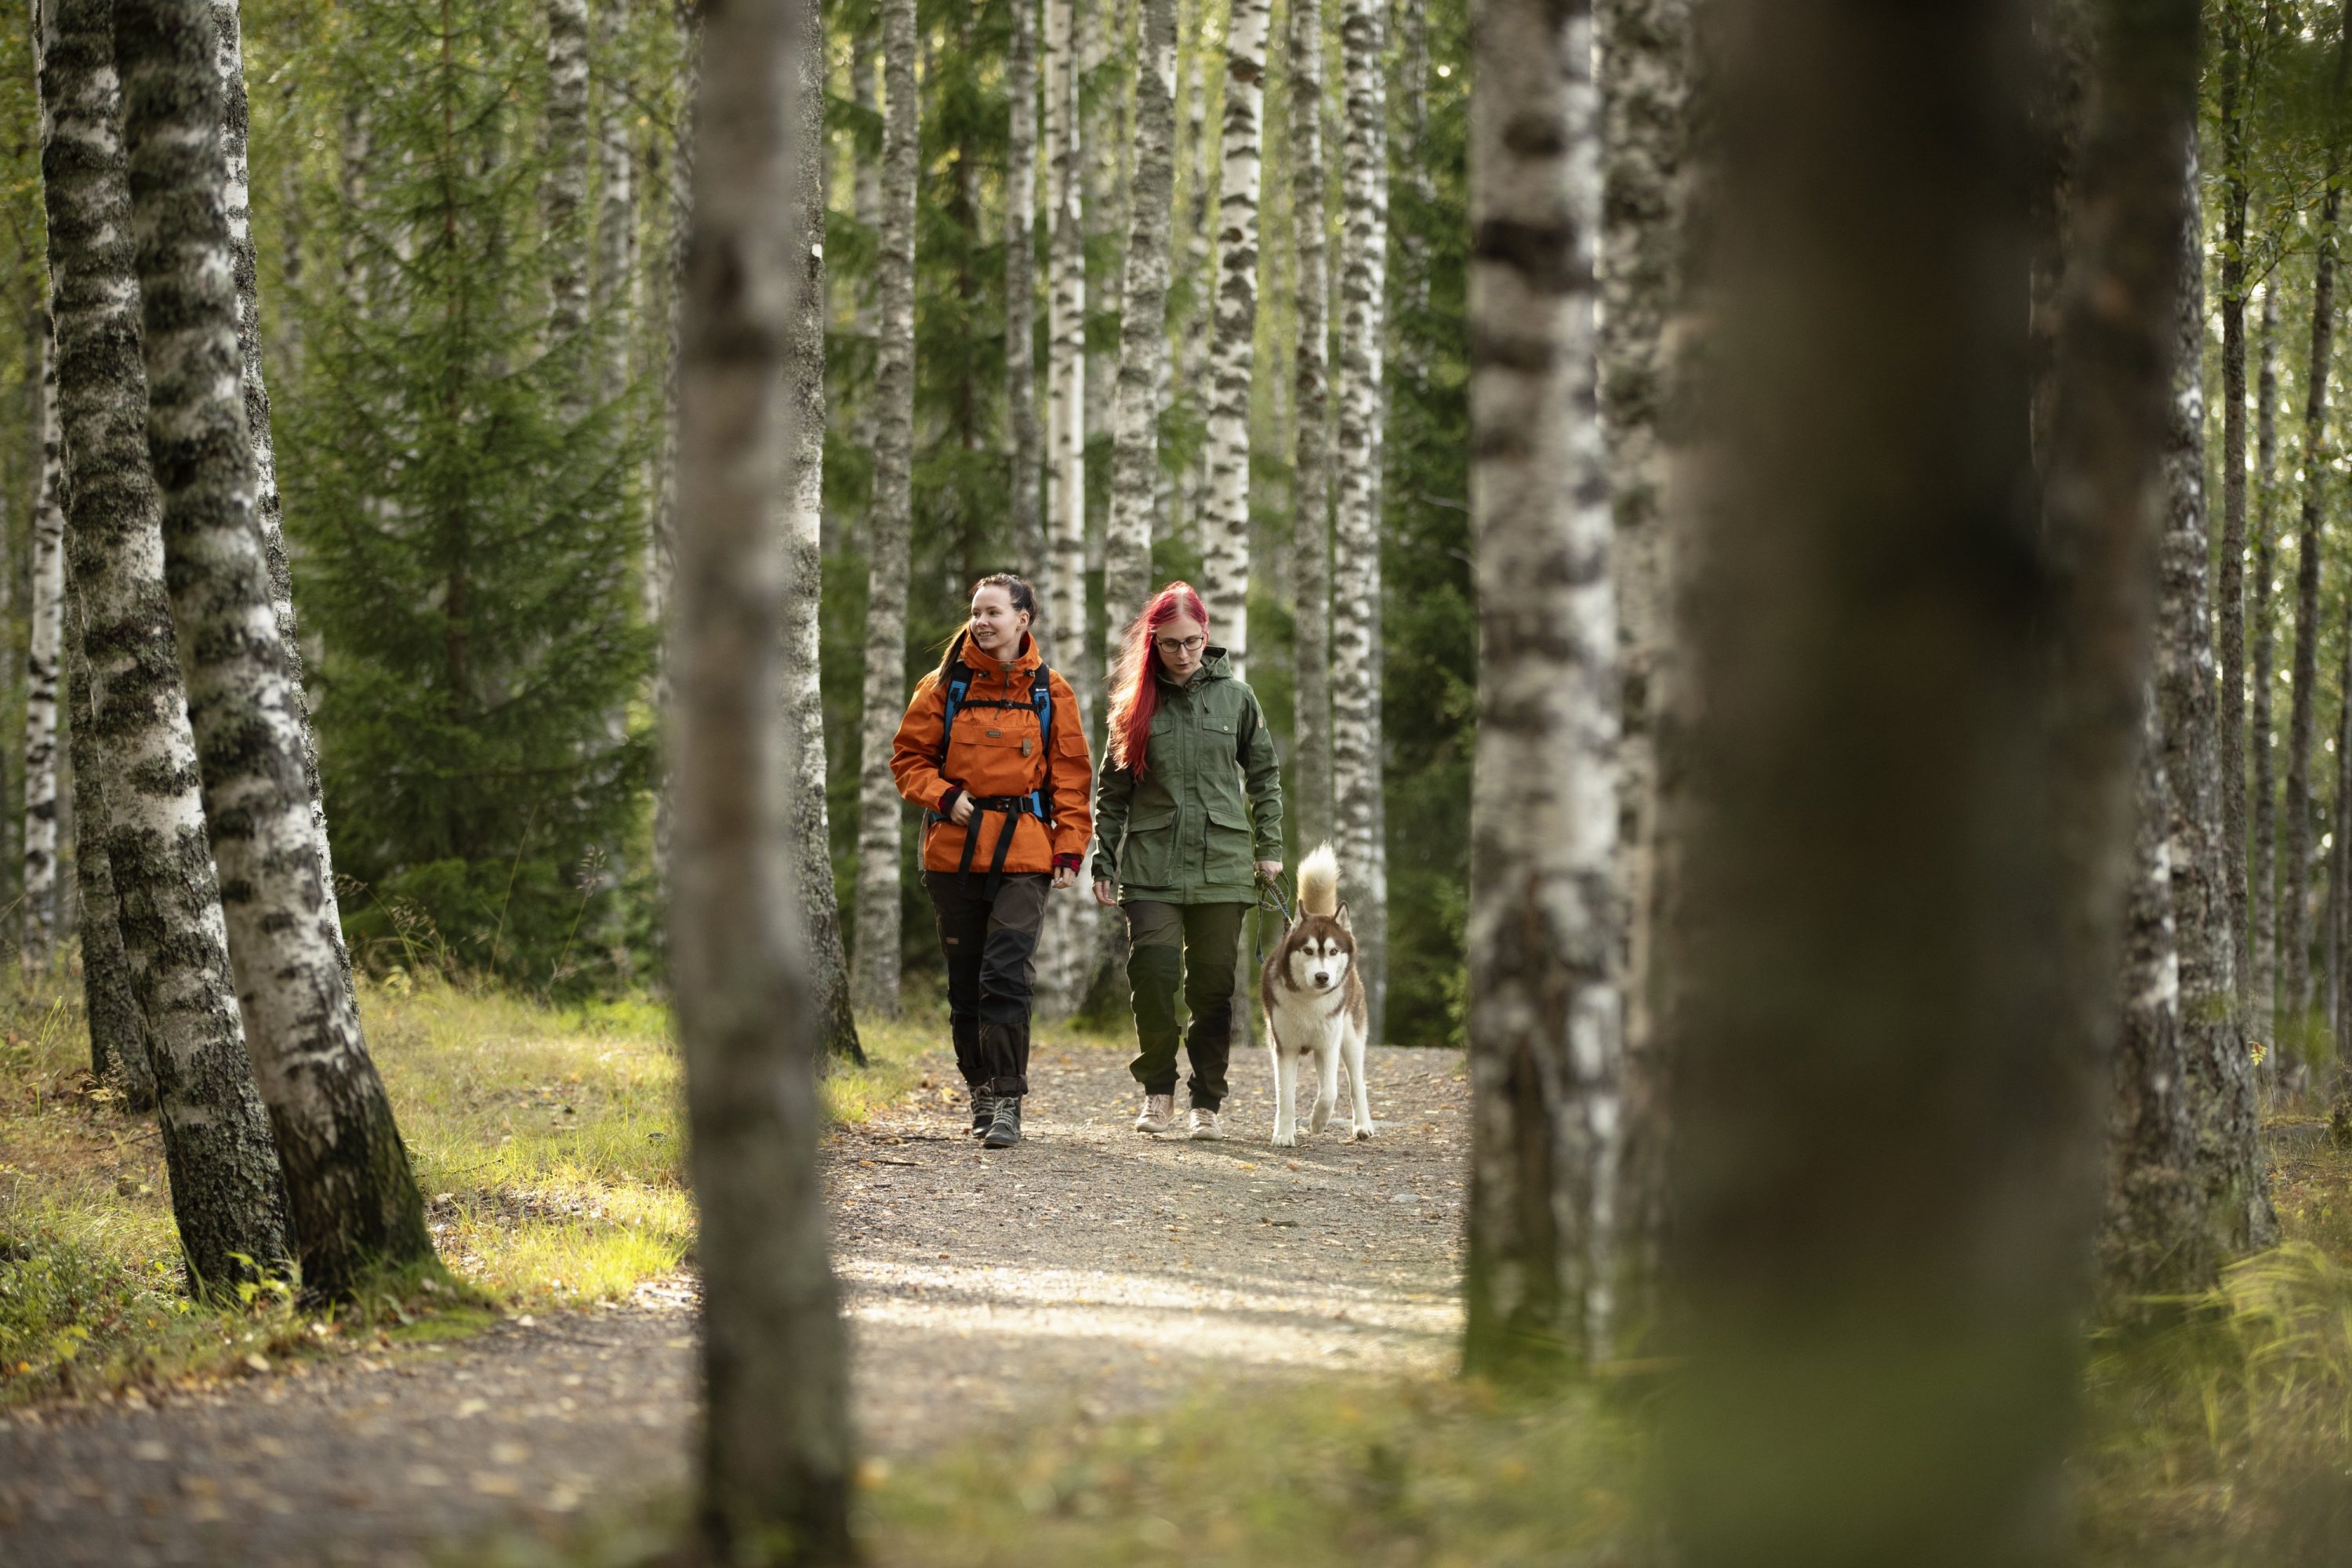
473 547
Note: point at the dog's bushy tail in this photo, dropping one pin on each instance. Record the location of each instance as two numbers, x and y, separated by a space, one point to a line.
1319 883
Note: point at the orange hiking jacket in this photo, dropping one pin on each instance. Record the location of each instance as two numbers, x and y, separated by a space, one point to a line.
995 751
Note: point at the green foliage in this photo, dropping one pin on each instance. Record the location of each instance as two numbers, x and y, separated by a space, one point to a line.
471 544
1430 646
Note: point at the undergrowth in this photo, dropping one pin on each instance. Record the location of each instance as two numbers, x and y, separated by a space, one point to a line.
1431 1474
548 1141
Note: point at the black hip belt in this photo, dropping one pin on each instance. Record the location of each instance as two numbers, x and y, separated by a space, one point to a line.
1013 807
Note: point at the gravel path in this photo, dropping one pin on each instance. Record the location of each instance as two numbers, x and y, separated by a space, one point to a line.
1090 1273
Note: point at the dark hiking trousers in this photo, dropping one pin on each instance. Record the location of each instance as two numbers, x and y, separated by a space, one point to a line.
992 952
1191 948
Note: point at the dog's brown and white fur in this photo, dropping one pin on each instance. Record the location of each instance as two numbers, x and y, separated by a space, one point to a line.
1314 1001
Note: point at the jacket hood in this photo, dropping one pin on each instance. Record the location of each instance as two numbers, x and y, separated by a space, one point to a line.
980 663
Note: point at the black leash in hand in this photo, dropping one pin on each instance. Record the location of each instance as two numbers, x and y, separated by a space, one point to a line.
1270 887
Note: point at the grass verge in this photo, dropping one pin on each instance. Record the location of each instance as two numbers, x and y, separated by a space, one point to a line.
549 1143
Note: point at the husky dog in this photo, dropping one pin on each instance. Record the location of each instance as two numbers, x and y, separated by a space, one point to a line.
1314 1001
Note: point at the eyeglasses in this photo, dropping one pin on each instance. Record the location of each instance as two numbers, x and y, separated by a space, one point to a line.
1189 646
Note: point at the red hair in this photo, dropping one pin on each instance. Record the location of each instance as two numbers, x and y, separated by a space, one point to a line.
1135 695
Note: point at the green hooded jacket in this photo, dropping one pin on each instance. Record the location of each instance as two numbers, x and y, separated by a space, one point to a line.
1209 802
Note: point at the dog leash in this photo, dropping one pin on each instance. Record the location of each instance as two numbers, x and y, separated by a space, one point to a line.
1269 885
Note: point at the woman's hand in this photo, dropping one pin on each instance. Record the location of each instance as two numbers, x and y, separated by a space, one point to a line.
961 813
1065 876
1105 894
1270 871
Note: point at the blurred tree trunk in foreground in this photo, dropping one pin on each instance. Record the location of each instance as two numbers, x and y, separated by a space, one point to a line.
1544 1009
775 1456
1912 776
1644 66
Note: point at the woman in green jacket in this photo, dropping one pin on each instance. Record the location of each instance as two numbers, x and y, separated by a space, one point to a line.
1187 817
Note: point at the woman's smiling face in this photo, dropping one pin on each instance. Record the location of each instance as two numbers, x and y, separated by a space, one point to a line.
996 626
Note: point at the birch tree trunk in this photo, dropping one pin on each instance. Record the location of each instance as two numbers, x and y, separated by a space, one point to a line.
2293 1000
1356 748
2226 1159
229 57
1543 998
355 1202
2230 591
1026 505
617 283
1311 791
228 1197
2261 893
1644 91
1880 695
802 499
887 522
1142 334
1066 356
118 1035
661 540
775 1460
1225 531
43 642
1192 333
569 237
2152 1236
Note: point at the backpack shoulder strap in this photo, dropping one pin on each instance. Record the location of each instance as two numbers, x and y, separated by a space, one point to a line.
957 687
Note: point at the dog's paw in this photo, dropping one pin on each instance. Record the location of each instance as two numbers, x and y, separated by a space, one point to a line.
1319 1119
1362 1133
1285 1139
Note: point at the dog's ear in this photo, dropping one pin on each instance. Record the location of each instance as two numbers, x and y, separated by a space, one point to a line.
1346 923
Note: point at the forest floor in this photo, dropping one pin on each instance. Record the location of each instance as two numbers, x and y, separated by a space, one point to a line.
1091 1276
1098 1348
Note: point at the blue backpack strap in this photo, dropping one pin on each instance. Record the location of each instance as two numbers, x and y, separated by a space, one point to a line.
957 686
1041 696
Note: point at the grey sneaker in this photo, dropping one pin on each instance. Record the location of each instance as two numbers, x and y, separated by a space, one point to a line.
1204 1126
1158 1113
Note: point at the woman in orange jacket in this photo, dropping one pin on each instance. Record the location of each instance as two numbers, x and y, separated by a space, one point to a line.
991 748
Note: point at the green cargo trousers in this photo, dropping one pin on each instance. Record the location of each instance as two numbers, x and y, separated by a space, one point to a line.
1191 948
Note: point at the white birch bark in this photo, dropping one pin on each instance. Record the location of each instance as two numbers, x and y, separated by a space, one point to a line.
661 539
1310 788
1356 751
569 154
614 296
1195 333
2293 998
1142 334
876 955
1066 357
1644 62
1225 531
2261 891
1544 1009
2227 1157
354 1200
43 644
801 501
775 1453
1027 509
2151 1240
230 59
228 1195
